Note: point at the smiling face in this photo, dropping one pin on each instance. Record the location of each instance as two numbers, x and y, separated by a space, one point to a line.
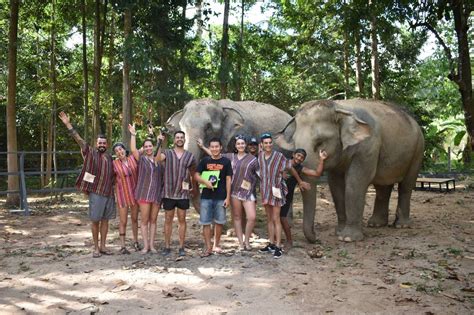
298 158
120 153
240 145
179 139
215 148
148 147
101 144
253 148
267 145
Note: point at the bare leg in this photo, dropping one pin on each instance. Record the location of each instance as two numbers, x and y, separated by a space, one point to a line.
287 229
250 212
217 235
169 217
145 216
95 235
237 214
277 224
134 217
152 232
270 225
104 228
181 227
206 232
123 214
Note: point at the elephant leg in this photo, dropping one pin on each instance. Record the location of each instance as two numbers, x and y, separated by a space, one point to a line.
405 189
337 187
309 210
382 198
358 178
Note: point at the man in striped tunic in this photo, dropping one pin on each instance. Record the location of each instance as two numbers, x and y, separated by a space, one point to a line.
273 189
96 181
180 166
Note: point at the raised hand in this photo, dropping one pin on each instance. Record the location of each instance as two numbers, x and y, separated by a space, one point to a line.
199 142
64 118
132 130
323 154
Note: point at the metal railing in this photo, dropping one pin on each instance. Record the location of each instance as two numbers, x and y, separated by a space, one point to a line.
23 173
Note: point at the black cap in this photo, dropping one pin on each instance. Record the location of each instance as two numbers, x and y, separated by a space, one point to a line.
253 140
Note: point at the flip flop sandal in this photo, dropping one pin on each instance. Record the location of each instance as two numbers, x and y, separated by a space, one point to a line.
207 253
96 255
106 252
218 250
124 251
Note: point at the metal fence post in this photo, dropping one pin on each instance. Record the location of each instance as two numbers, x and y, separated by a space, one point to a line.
23 196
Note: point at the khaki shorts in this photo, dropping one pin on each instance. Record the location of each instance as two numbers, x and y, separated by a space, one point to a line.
101 207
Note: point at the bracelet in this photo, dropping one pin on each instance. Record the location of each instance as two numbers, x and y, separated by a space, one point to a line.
71 130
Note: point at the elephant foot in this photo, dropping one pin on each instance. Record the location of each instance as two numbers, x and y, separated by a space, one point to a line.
351 234
377 222
402 223
340 227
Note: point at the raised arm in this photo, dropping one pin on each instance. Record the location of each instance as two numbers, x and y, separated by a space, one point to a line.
159 156
133 142
202 147
65 119
319 169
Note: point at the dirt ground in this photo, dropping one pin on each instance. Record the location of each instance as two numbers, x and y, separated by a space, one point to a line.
46 266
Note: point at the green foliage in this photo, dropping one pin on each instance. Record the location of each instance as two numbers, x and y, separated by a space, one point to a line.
295 56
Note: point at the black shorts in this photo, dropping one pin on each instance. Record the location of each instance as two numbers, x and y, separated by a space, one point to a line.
289 200
170 204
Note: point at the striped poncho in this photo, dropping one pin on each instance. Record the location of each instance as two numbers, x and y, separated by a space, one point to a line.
271 171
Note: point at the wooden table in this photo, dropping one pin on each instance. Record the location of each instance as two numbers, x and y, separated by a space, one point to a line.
436 181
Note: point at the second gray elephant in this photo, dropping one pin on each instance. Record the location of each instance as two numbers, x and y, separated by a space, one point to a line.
208 118
368 142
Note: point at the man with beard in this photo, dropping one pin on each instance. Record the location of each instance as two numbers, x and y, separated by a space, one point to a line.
180 166
96 180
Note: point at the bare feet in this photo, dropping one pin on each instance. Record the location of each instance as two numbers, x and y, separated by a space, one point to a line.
144 251
217 250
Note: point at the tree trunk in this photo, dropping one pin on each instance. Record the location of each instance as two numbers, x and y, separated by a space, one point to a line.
358 66
85 72
346 66
53 89
127 92
463 78
111 112
199 22
182 53
97 66
224 71
42 177
12 144
238 88
374 59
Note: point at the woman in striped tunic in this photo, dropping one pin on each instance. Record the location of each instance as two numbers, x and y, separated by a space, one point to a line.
244 180
126 173
149 189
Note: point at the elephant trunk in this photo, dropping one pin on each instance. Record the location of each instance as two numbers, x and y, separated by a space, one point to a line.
309 210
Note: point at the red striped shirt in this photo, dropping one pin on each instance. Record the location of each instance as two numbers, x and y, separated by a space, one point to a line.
177 172
126 175
271 176
99 165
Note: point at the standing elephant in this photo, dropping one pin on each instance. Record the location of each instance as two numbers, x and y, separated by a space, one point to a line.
208 118
368 142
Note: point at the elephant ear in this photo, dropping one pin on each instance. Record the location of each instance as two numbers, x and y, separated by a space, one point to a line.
284 138
233 121
173 122
353 129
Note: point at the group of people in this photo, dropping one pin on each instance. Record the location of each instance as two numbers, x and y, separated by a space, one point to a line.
153 177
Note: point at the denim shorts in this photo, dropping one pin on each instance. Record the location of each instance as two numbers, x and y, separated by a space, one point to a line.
212 211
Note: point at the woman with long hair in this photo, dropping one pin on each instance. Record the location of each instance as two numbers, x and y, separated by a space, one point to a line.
149 189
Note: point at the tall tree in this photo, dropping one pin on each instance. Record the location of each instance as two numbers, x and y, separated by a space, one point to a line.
224 67
375 70
12 144
358 64
97 68
238 88
85 71
427 14
126 88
